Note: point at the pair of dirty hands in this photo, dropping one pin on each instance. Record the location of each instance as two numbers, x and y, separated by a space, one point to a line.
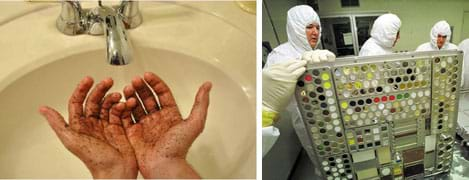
104 136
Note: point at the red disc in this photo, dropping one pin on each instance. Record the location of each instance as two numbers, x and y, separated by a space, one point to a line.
376 100
392 97
384 98
308 77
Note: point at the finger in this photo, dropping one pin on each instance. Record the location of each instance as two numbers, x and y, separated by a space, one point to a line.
116 113
306 55
199 109
298 72
163 92
138 112
315 58
75 103
93 105
55 120
286 63
296 65
322 57
330 57
126 115
108 101
145 94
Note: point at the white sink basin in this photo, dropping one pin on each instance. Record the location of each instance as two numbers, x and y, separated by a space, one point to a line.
186 44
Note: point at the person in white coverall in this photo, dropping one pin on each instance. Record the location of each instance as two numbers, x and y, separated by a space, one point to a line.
285 64
439 38
440 35
384 36
464 46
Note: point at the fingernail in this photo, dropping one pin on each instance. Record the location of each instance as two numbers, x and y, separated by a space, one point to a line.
87 78
120 106
108 79
42 109
128 88
208 85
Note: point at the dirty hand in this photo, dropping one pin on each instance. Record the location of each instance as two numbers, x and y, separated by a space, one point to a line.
317 56
95 135
160 137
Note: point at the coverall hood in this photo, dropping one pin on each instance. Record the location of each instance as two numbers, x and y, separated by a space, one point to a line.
441 28
385 29
297 19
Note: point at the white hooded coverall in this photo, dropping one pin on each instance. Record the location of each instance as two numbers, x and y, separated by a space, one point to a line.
441 28
297 19
383 34
464 46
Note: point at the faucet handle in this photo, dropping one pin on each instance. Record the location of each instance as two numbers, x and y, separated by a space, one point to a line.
130 13
69 21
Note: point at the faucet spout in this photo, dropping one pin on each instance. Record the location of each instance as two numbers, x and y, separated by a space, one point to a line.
113 22
118 46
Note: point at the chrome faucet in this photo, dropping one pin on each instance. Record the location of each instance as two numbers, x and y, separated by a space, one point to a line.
112 21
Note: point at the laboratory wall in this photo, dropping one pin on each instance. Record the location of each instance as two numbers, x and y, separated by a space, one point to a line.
276 11
418 17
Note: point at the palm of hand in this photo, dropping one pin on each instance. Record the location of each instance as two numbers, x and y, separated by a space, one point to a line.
162 134
96 135
100 145
159 125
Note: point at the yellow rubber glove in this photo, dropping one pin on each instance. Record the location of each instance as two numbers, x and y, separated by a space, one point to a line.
268 117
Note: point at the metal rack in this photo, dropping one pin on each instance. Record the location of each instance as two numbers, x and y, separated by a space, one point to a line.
382 117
